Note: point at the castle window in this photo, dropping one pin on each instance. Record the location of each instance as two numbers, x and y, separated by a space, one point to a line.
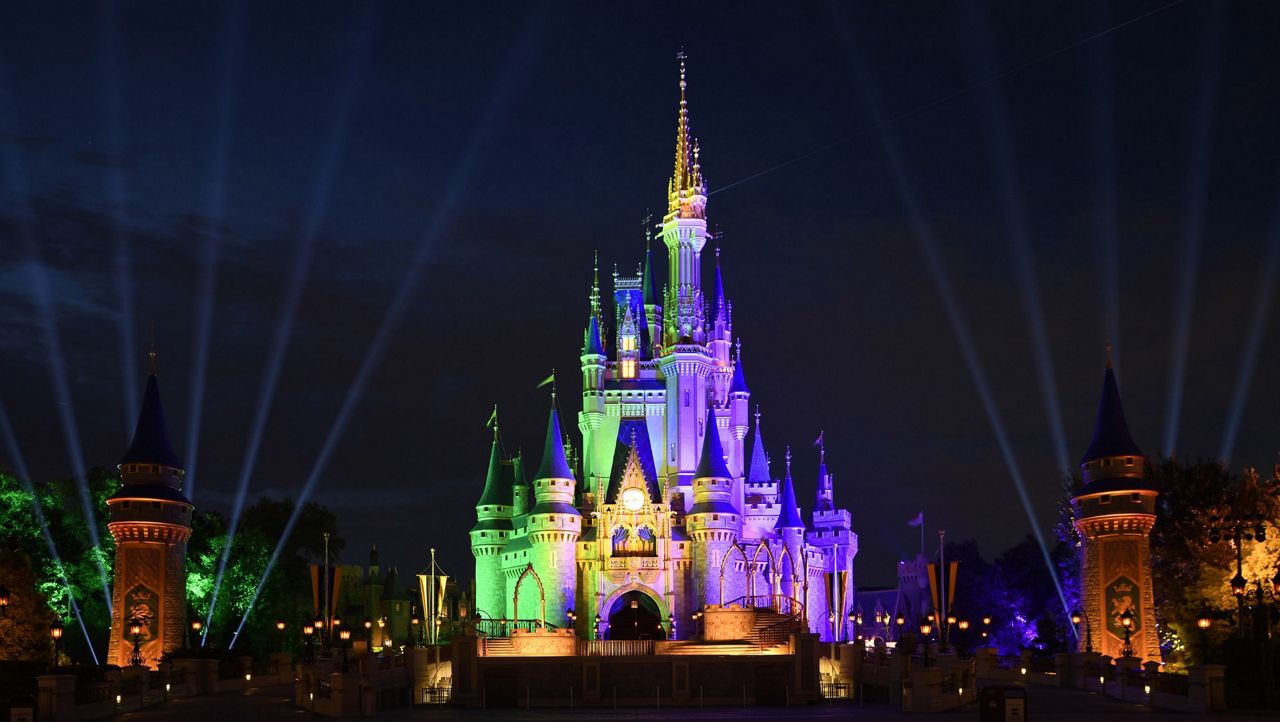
1104 499
1135 498
1128 461
628 368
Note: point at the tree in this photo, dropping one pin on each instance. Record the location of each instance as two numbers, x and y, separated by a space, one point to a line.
24 625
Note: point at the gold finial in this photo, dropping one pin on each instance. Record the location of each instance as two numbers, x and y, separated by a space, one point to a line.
151 360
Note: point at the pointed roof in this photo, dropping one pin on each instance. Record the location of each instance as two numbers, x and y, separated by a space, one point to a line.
759 471
686 178
719 299
650 291
591 344
495 492
789 510
712 465
554 463
633 437
1111 435
739 383
150 439
822 499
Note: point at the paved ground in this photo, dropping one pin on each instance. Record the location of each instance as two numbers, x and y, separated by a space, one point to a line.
1045 704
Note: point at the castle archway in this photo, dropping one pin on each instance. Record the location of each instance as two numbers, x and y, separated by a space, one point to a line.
635 615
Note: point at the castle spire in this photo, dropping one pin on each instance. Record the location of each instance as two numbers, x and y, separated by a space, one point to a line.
1111 435
759 471
739 383
788 509
150 438
686 191
495 492
825 499
711 464
554 463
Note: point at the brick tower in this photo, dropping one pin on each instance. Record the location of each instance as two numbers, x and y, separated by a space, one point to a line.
1115 508
150 521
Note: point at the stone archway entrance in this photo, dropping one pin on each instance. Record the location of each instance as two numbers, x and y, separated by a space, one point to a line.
635 615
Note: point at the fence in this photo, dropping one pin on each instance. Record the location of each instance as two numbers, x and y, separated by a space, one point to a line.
615 647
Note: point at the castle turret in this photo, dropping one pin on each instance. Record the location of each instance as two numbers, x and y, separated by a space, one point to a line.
833 535
761 491
491 532
790 528
739 398
554 526
593 420
713 521
150 520
652 301
684 231
1115 508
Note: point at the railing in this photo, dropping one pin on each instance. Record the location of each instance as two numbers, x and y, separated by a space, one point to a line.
92 693
504 627
615 647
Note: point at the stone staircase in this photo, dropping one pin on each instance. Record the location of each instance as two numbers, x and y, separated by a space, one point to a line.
499 647
772 630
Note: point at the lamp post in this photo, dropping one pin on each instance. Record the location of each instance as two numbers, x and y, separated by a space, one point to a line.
344 635
280 625
135 630
308 633
55 631
963 626
900 620
322 642
196 626
417 623
1237 529
382 632
1126 621
986 626
1204 621
368 635
1076 618
926 626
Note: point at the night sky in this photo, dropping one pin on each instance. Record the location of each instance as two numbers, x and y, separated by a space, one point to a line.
501 145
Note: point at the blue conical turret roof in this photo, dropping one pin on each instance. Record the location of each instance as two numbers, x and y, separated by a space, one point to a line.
150 439
712 465
1111 435
789 510
759 471
554 463
650 292
739 383
591 343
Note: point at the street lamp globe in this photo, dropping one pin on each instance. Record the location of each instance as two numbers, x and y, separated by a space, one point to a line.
280 625
55 630
1238 583
135 626
196 625
368 623
1126 619
4 598
1204 621
1076 617
925 628
963 624
308 630
900 620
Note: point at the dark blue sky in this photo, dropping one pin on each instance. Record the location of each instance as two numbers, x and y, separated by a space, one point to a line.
535 135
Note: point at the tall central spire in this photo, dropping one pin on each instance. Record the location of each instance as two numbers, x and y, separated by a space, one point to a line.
686 191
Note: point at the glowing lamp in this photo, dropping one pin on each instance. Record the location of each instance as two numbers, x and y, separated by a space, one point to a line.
857 618
4 598
951 619
901 620
336 621
1146 689
930 617
55 630
196 625
1238 585
925 628
345 634
986 619
1076 617
308 630
1023 671
280 625
319 622
963 624
368 623
1204 621
248 676
382 622
135 626
1126 619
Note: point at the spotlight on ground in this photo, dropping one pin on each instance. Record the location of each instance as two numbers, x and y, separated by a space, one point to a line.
916 214
220 152
517 60
1207 65
24 478
316 208
1263 298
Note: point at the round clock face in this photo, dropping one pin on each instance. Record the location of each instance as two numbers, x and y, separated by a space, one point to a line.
632 499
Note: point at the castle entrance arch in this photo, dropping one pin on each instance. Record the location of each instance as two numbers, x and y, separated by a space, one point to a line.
635 614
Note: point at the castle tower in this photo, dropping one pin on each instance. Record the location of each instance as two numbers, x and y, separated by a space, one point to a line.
1115 509
790 529
761 491
554 526
713 522
739 399
150 520
593 421
686 364
491 532
832 533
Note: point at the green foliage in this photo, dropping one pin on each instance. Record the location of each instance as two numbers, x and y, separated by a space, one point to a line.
287 592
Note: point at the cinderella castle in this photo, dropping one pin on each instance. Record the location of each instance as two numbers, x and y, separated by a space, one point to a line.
665 517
